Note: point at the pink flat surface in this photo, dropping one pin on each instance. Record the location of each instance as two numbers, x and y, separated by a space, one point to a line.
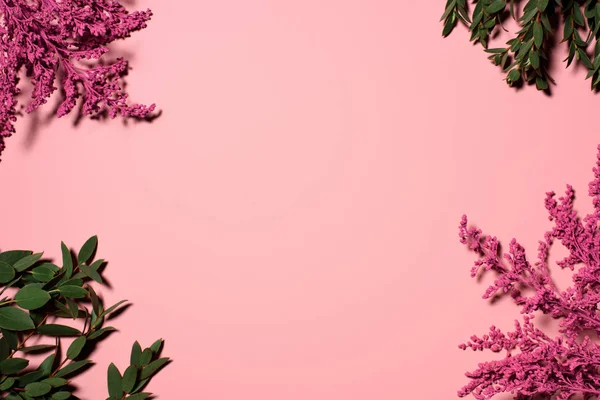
289 225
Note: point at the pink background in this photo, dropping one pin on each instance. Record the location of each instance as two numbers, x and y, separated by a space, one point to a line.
289 224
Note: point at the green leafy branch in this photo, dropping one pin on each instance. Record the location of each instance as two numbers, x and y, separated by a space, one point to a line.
456 10
45 293
143 365
526 56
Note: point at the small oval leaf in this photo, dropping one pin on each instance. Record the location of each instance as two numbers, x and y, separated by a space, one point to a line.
58 330
31 297
87 250
75 348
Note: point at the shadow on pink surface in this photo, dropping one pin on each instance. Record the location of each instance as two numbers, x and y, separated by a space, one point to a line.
41 119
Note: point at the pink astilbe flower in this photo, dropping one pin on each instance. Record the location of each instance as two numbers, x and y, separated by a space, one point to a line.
49 40
537 366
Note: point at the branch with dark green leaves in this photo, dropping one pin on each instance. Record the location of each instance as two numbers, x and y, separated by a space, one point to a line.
525 58
50 304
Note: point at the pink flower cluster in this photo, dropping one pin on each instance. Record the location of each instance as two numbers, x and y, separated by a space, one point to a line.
536 365
49 40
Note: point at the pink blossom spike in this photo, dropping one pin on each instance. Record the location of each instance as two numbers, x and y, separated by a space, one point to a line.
48 39
536 365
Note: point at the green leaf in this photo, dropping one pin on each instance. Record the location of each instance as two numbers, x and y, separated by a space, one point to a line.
71 368
74 292
546 23
37 389
62 395
448 27
7 272
56 382
96 321
12 256
4 349
136 354
73 308
63 308
43 274
72 282
588 10
514 75
571 56
90 273
528 15
27 261
450 6
524 50
25 396
477 15
11 338
153 368
489 24
115 384
514 44
541 83
156 346
578 16
75 348
14 319
542 4
129 378
47 365
97 264
30 377
496 6
498 50
58 330
113 308
7 383
585 60
95 300
538 34
40 348
13 365
535 59
568 28
67 260
96 334
59 276
52 267
140 385
31 297
146 357
596 62
87 250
